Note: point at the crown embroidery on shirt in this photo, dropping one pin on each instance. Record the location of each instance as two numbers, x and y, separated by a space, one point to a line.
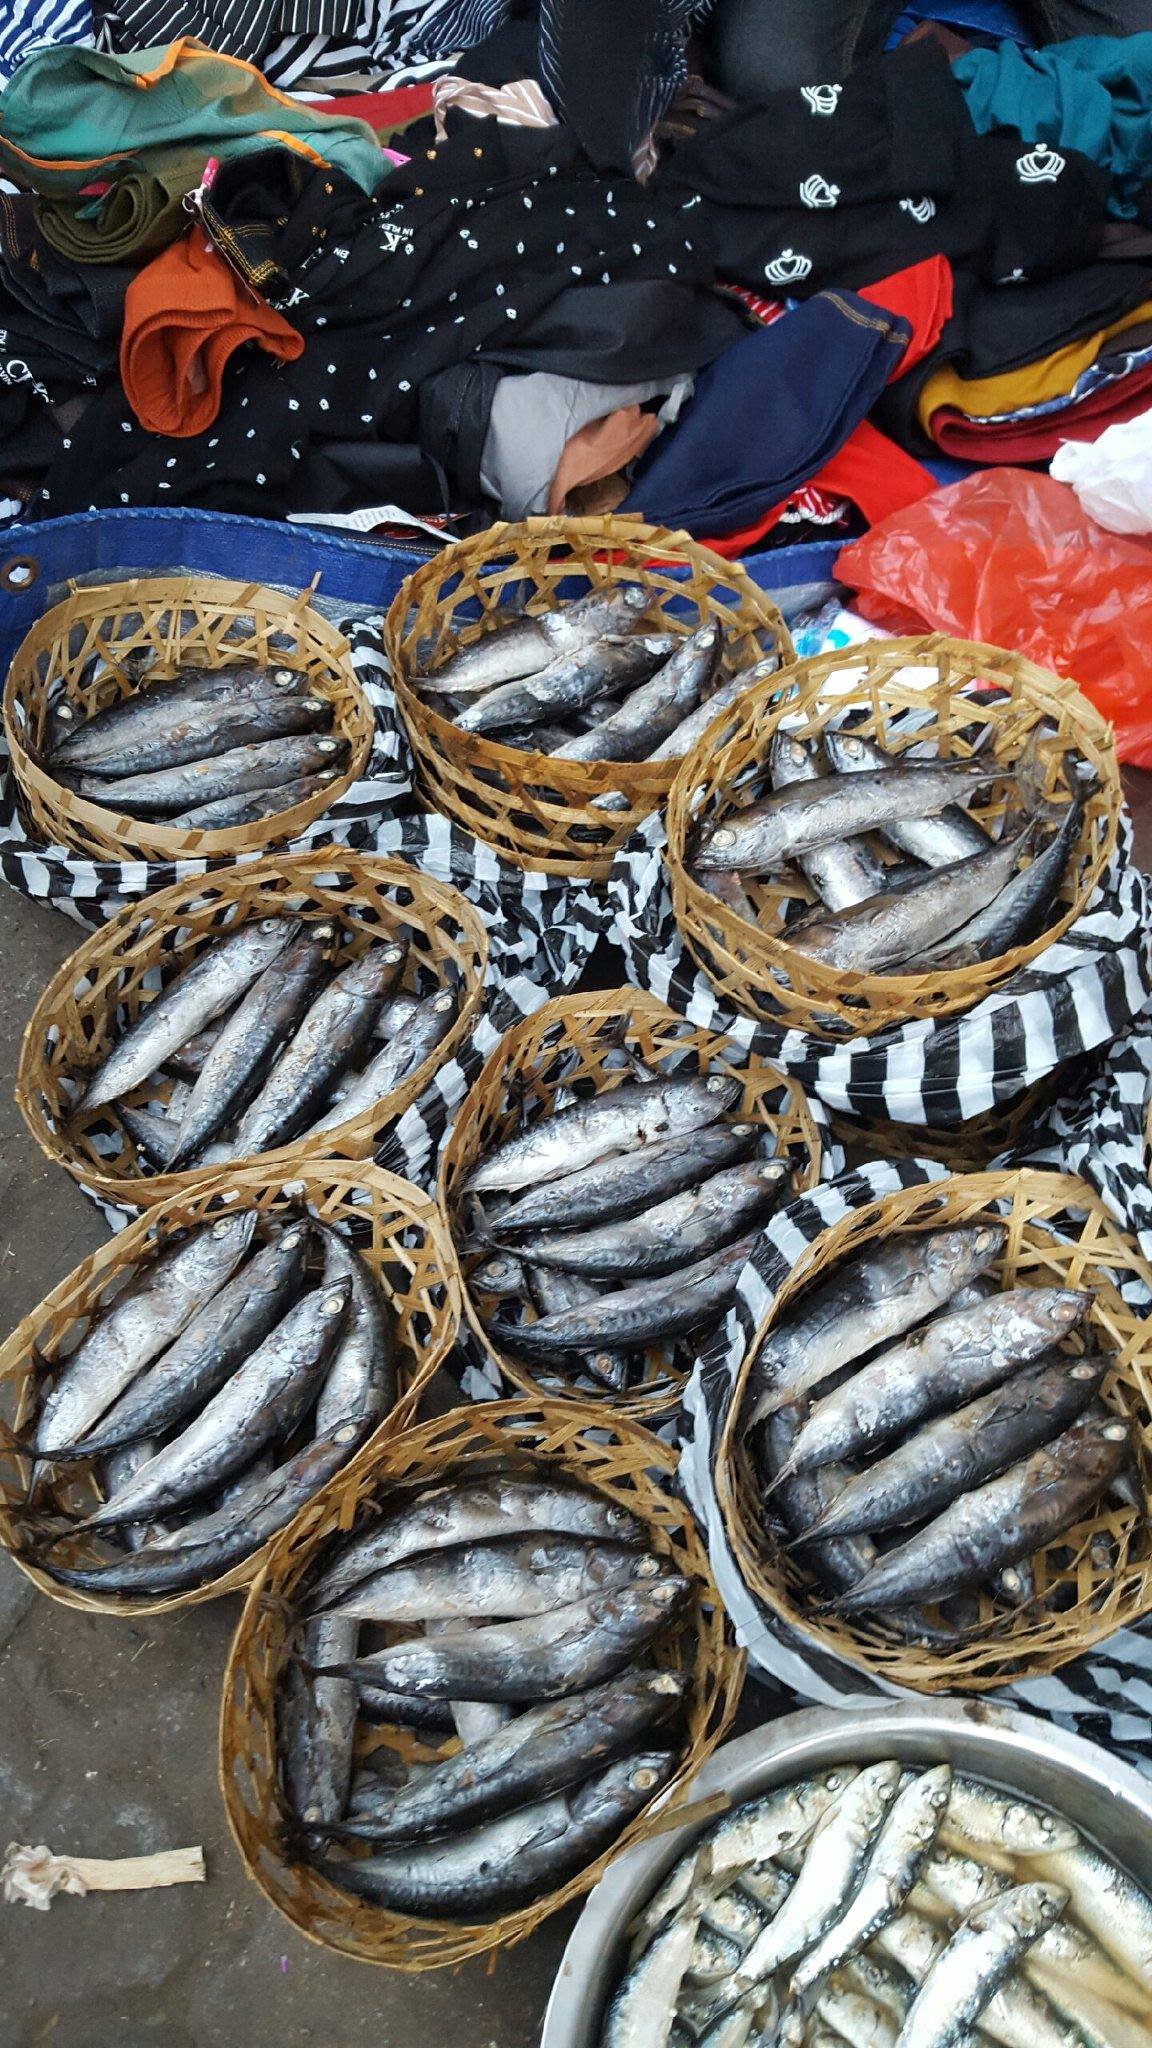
921 210
816 191
1040 166
788 267
822 99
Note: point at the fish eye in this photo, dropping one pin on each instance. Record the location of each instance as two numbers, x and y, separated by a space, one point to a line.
644 1779
333 1305
284 678
269 924
443 1002
327 746
723 837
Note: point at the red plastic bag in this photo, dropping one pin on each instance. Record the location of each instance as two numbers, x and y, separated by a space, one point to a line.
1010 557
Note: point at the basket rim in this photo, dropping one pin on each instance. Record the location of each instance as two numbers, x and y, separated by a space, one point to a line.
108 938
1057 1193
487 1418
413 1206
152 840
891 988
511 1054
635 549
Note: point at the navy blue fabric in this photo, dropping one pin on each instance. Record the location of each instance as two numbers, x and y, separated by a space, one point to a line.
769 413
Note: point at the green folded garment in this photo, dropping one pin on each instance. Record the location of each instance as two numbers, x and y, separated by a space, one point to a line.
140 214
70 116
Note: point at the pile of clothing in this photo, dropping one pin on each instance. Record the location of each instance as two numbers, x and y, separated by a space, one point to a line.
215 294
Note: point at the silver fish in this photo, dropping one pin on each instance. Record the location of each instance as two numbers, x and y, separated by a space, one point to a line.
197 731
263 1019
870 1300
750 1836
829 1874
1007 1518
654 709
508 1581
637 1315
961 1883
516 647
170 790
976 1962
727 889
360 1383
543 1750
644 2007
1021 910
959 1451
476 1512
685 1227
553 1293
899 1850
216 979
263 1401
1015 2017
843 873
337 1026
981 1818
188 1059
897 924
394 1062
855 2019
116 1470
571 681
620 1119
209 1348
539 1658
628 1182
153 1136
204 1548
806 815
945 1360
143 1320
950 836
318 1725
516 1857
254 804
473 1720
689 730
1108 1903
156 717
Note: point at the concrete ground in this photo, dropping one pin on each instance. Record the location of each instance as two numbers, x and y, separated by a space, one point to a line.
108 1748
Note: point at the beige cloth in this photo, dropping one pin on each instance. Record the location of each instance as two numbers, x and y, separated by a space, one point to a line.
519 105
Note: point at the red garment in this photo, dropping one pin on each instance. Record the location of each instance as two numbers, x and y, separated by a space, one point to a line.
381 109
1036 440
922 295
871 470
185 315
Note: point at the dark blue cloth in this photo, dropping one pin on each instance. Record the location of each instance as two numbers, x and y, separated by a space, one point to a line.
769 413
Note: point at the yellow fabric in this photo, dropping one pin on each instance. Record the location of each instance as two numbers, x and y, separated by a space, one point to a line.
1049 377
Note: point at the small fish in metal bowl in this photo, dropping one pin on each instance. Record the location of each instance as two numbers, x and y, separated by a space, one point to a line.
893 1879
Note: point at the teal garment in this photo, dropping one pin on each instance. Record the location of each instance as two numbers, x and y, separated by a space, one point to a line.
1092 94
70 115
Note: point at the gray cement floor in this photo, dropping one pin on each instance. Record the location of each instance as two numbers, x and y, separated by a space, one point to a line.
108 1748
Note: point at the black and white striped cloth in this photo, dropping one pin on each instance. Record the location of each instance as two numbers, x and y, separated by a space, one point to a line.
1074 998
1096 1128
27 25
91 891
1105 1695
353 42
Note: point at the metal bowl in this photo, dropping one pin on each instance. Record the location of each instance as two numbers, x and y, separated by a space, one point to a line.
1105 1798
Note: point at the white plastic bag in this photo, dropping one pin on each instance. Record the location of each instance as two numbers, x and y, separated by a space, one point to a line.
1112 477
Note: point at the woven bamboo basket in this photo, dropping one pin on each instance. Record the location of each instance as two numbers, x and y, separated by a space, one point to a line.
572 1040
392 1224
1021 707
109 979
538 811
606 1456
84 651
1098 1577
